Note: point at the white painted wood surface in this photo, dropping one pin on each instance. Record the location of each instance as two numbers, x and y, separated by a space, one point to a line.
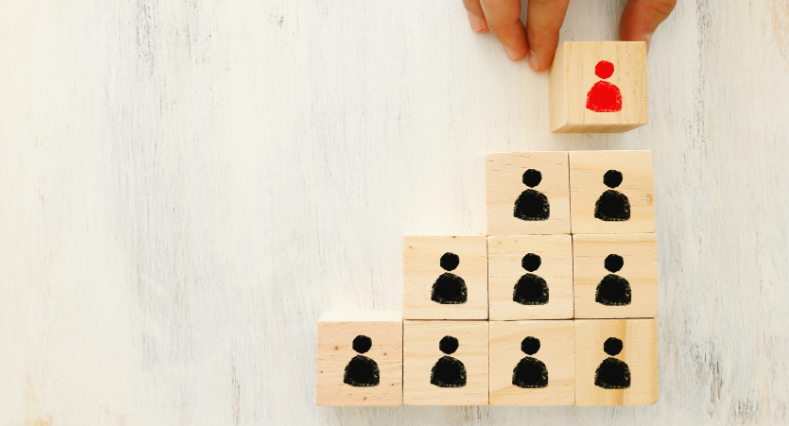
185 186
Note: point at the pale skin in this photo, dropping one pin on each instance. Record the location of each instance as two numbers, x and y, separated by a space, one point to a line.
539 37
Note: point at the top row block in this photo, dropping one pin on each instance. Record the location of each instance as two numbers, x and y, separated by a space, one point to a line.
580 192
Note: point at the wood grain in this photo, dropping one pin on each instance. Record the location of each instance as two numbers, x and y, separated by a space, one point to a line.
185 187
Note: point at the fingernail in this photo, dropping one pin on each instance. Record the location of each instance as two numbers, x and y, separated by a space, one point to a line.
477 25
534 61
648 40
511 53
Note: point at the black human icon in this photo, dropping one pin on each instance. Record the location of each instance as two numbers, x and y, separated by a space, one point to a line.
613 290
531 289
362 371
532 204
449 289
612 206
530 372
612 373
448 372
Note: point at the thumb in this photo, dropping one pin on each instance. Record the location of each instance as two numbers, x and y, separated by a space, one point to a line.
641 18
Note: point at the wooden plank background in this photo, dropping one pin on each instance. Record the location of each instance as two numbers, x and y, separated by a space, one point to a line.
185 186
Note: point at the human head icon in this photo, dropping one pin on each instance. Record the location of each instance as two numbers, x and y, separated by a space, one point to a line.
612 346
614 262
532 178
531 262
448 345
449 261
530 345
612 178
362 344
604 69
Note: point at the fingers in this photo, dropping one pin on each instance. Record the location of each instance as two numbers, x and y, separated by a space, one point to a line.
641 18
544 19
476 17
503 19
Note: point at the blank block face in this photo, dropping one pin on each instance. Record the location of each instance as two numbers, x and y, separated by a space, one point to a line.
612 192
360 359
616 362
598 87
527 193
445 363
615 275
445 277
532 362
530 277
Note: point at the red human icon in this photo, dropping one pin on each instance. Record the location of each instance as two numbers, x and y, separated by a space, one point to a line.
604 96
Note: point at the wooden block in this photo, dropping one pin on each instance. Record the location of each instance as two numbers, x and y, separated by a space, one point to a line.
528 193
532 362
530 277
445 363
598 87
360 359
445 277
615 275
616 362
612 192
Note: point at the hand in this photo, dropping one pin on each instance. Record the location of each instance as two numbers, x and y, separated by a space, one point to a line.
540 36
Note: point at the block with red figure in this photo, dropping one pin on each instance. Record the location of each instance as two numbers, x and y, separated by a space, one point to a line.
598 87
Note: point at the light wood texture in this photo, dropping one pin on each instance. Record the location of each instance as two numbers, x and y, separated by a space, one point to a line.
422 267
639 253
421 352
556 351
587 171
505 255
185 187
639 352
572 76
336 332
504 185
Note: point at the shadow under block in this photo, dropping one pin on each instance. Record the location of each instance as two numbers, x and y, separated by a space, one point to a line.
607 352
615 275
445 277
544 290
360 371
543 374
445 363
588 95
527 193
613 192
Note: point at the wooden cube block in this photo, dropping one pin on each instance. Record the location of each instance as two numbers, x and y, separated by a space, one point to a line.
360 359
532 362
528 193
445 363
616 362
615 275
598 87
612 192
445 277
530 277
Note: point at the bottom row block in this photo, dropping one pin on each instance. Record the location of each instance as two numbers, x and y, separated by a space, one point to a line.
376 359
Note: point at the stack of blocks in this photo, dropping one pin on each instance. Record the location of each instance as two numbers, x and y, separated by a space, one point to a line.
555 306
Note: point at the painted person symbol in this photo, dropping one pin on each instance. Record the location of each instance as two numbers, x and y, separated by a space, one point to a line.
604 96
362 371
612 206
531 289
448 372
530 372
532 204
612 373
613 290
449 289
